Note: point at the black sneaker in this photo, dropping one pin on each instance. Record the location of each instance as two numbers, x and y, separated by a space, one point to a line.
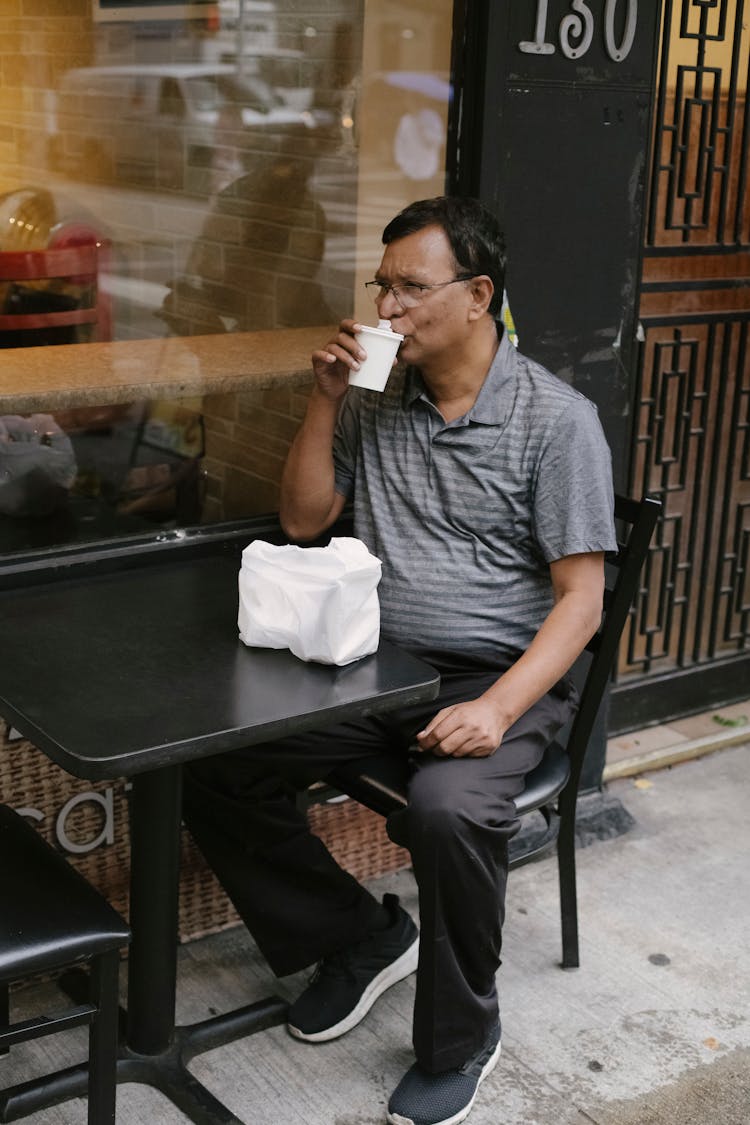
445 1098
345 985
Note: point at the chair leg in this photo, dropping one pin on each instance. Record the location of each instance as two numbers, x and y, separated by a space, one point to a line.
103 1039
566 863
4 1011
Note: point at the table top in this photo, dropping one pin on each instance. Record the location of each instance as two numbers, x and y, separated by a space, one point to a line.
115 674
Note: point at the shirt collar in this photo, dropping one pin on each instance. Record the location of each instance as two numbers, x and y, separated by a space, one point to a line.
493 403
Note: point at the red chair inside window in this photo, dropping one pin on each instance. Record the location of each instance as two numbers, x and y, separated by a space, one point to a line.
54 295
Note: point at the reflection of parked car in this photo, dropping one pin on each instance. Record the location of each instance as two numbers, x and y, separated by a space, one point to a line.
406 115
157 125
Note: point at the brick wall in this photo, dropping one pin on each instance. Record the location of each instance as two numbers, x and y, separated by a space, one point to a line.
247 438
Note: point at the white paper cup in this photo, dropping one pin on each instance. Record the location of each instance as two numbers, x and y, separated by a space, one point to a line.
381 346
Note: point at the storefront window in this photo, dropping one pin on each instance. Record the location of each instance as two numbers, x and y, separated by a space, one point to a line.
199 170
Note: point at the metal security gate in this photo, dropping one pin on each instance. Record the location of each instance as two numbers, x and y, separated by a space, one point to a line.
688 646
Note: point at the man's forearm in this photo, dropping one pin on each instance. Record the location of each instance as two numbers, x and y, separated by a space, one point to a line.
556 647
477 727
308 496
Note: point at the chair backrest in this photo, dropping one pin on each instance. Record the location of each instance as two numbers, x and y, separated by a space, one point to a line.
636 520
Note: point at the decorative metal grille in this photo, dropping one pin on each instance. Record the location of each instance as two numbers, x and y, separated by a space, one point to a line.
700 174
691 433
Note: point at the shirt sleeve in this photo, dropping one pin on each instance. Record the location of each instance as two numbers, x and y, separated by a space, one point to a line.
574 495
345 445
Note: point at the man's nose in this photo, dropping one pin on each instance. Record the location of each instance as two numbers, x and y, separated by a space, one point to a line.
388 306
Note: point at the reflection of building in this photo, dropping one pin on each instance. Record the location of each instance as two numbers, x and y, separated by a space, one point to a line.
257 18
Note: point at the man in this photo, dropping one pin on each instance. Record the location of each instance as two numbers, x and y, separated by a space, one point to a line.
484 485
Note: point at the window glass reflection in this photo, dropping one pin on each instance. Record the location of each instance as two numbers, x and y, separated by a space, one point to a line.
189 170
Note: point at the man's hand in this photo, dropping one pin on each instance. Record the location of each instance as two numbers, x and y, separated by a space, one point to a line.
473 729
332 364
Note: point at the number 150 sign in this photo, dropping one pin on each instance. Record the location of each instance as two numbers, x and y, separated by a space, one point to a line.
576 30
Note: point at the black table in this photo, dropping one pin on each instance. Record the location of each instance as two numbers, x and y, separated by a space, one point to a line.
134 672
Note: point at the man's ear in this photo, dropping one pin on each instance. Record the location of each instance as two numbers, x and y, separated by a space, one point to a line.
482 290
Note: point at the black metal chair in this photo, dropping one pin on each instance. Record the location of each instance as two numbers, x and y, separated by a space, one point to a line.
51 918
551 788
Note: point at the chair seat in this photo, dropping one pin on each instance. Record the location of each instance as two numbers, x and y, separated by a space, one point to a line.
546 781
49 914
380 783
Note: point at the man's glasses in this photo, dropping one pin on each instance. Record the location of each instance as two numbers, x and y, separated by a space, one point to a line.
409 293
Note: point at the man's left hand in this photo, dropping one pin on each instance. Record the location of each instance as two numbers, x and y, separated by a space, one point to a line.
473 729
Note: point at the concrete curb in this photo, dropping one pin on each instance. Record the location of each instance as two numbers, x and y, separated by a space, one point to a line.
679 752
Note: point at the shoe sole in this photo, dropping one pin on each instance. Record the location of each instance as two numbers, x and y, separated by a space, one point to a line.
402 967
489 1066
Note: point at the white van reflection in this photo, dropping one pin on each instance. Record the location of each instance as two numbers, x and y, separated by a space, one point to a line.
165 127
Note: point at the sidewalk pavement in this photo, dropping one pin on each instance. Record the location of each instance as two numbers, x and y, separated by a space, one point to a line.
653 1029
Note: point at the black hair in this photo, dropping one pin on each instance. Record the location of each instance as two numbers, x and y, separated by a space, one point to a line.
477 242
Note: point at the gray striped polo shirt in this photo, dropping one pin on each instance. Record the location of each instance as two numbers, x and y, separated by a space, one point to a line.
467 515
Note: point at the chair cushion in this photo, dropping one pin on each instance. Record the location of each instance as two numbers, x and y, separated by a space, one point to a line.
380 782
49 915
546 781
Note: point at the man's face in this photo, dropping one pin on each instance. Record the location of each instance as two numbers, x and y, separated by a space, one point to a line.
439 323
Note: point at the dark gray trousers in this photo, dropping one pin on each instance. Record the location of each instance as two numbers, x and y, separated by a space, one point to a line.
300 905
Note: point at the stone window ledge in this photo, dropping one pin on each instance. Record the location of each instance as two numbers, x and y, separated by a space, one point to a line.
46 379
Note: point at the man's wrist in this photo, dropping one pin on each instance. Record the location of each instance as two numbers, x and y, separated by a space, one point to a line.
496 696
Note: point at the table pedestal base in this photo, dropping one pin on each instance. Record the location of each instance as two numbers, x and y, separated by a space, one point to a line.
166 1071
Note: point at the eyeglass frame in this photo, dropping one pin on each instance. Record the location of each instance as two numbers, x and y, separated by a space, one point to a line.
378 289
